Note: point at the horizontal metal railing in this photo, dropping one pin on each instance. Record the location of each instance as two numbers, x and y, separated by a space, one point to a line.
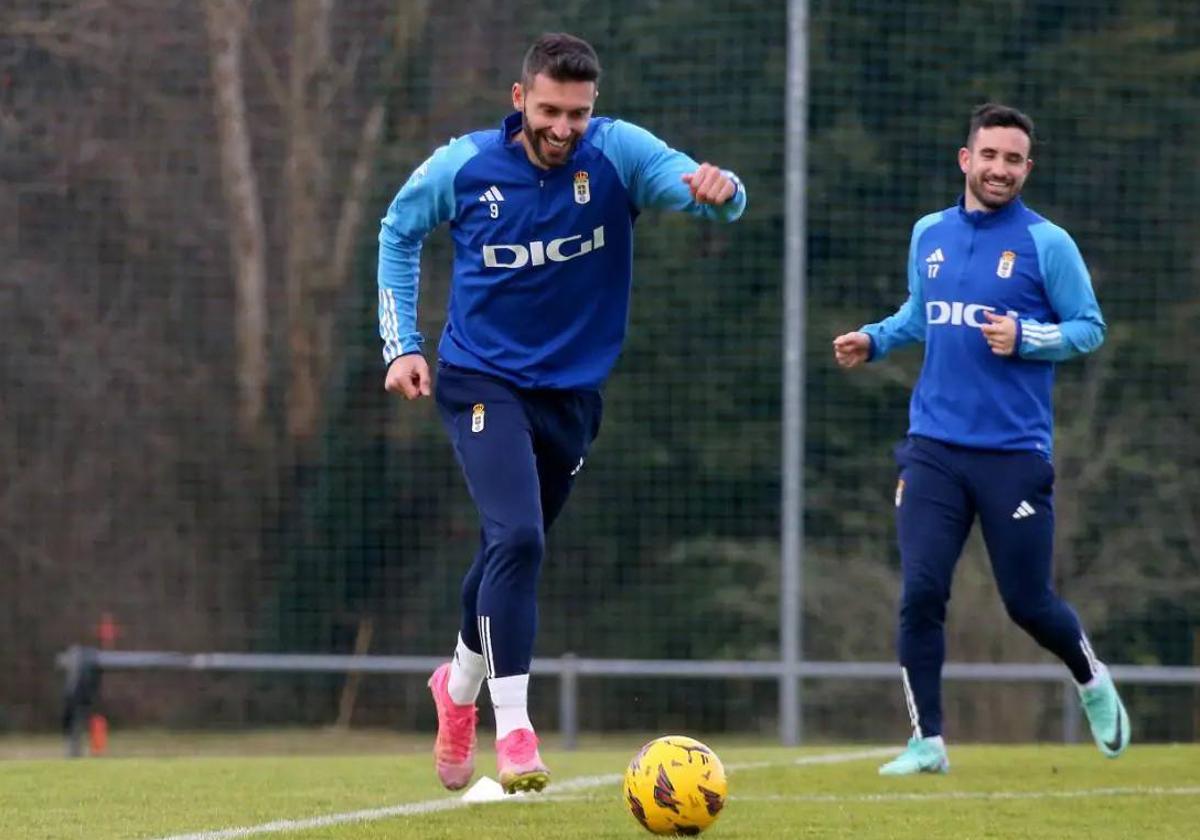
83 664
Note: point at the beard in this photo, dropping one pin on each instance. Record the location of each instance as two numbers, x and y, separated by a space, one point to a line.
990 200
537 142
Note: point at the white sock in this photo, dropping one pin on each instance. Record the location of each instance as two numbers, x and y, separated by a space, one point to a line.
510 699
1098 672
466 674
937 741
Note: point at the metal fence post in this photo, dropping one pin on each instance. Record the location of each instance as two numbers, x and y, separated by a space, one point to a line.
1070 713
81 683
791 573
568 701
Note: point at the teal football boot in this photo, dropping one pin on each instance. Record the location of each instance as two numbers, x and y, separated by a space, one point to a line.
1106 714
922 755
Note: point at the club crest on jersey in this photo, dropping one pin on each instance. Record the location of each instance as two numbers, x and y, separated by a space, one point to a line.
477 418
583 193
1005 268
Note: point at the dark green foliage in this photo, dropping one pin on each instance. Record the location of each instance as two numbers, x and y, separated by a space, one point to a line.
131 492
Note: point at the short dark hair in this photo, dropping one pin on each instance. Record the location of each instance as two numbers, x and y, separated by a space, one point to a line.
562 57
995 115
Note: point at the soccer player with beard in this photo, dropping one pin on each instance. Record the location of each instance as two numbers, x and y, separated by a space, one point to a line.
541 212
998 294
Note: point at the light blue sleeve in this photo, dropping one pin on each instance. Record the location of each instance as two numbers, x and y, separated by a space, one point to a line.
424 202
1080 328
653 172
907 325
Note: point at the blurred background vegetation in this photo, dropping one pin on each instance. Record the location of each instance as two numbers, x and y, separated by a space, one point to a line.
194 438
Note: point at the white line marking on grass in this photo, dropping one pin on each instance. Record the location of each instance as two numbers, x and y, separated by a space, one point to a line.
833 798
431 806
586 782
279 826
825 758
1083 793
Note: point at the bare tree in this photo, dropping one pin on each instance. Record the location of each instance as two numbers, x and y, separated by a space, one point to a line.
319 231
226 22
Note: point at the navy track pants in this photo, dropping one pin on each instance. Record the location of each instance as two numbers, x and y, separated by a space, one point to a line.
942 489
519 450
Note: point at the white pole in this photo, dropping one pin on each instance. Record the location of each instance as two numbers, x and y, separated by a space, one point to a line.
791 600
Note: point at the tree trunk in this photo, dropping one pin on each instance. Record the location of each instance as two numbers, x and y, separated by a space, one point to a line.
320 245
226 21
305 202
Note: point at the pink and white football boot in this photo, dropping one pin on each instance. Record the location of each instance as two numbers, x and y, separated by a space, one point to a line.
518 762
454 750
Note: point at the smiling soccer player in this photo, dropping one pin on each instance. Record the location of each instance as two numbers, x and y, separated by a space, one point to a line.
998 294
541 211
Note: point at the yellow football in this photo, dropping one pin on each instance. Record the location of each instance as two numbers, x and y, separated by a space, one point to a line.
675 785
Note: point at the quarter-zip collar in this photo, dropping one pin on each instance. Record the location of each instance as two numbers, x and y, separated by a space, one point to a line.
990 218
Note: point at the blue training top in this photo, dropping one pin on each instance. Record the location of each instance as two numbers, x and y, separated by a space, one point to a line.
543 258
962 264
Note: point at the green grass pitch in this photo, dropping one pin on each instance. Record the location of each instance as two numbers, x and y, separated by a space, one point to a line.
997 792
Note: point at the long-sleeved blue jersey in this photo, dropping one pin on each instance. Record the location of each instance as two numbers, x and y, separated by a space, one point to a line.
1011 261
543 258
